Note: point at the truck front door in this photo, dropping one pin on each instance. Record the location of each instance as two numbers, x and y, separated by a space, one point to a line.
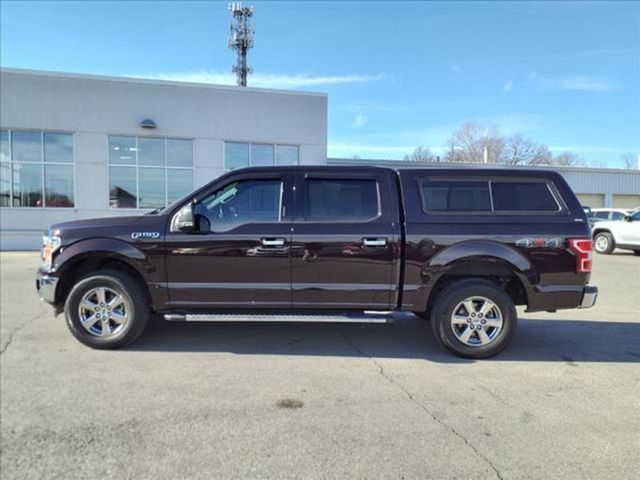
345 250
240 257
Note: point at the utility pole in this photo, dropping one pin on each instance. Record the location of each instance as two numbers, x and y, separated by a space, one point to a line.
241 39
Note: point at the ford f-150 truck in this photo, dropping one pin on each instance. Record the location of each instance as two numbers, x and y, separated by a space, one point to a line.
458 247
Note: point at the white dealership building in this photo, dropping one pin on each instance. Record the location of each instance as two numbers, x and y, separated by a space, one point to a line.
78 146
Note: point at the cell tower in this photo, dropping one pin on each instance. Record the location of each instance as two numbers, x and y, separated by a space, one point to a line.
241 39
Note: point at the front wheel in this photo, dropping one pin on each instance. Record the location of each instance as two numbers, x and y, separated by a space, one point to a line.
107 309
474 318
636 253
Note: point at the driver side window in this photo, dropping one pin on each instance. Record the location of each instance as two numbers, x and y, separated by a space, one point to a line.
242 202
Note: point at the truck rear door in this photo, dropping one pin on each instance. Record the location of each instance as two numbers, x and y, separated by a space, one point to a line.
345 243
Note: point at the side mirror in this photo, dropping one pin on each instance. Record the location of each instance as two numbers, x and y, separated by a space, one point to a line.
184 220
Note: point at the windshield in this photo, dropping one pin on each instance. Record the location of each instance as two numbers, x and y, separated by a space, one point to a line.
156 211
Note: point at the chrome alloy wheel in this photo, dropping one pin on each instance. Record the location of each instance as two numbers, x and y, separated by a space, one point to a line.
602 243
476 321
103 312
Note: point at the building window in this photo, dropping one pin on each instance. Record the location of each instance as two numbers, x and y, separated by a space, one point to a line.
241 155
149 172
36 169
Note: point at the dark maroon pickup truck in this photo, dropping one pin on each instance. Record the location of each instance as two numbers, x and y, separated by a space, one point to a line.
460 248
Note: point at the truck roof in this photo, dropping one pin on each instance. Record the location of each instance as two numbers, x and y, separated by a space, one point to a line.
448 171
482 172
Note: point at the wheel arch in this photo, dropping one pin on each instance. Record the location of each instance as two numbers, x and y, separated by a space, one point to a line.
597 230
85 257
484 259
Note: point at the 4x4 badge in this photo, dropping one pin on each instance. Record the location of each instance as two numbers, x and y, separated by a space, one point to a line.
539 242
138 235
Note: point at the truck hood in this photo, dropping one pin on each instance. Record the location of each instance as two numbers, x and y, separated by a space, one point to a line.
122 228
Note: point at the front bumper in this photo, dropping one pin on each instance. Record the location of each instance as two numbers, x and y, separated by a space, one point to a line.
589 296
46 287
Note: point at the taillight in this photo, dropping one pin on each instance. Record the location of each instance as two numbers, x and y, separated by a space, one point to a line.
583 249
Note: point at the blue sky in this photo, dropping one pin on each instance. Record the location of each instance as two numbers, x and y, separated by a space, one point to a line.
398 75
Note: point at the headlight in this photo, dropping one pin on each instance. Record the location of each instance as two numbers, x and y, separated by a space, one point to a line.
49 246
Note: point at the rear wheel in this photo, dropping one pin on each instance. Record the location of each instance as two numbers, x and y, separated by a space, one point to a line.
636 252
604 243
107 310
474 318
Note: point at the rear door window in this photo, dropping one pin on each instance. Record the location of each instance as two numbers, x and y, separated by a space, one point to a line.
604 215
448 196
341 200
523 196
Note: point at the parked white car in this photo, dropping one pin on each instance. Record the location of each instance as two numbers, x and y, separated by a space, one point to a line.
610 213
624 234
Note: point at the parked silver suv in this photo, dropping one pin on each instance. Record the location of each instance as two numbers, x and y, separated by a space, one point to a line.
610 213
611 234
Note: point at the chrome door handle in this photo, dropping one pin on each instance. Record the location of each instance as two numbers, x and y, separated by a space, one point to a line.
272 242
374 242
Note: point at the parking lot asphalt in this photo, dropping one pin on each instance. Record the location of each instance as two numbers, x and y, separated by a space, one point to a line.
322 401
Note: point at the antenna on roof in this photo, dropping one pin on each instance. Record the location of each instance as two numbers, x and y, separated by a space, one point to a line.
241 39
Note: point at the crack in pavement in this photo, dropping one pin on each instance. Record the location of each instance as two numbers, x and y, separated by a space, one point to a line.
16 330
421 405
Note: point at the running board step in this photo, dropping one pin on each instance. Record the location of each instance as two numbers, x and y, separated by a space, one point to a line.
373 317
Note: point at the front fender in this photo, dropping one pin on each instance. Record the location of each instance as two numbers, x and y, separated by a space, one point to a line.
82 253
105 247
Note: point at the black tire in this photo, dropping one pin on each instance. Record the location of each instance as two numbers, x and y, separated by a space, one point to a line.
442 319
134 303
604 243
636 253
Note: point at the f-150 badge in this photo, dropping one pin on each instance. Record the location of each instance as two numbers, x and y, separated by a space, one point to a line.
138 235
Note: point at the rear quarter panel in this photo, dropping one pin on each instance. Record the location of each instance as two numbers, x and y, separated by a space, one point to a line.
437 242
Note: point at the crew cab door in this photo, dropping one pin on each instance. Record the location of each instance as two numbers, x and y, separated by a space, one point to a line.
240 255
344 251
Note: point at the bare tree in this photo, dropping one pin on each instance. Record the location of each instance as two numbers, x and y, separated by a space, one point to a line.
469 143
474 142
630 161
522 151
568 159
420 154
